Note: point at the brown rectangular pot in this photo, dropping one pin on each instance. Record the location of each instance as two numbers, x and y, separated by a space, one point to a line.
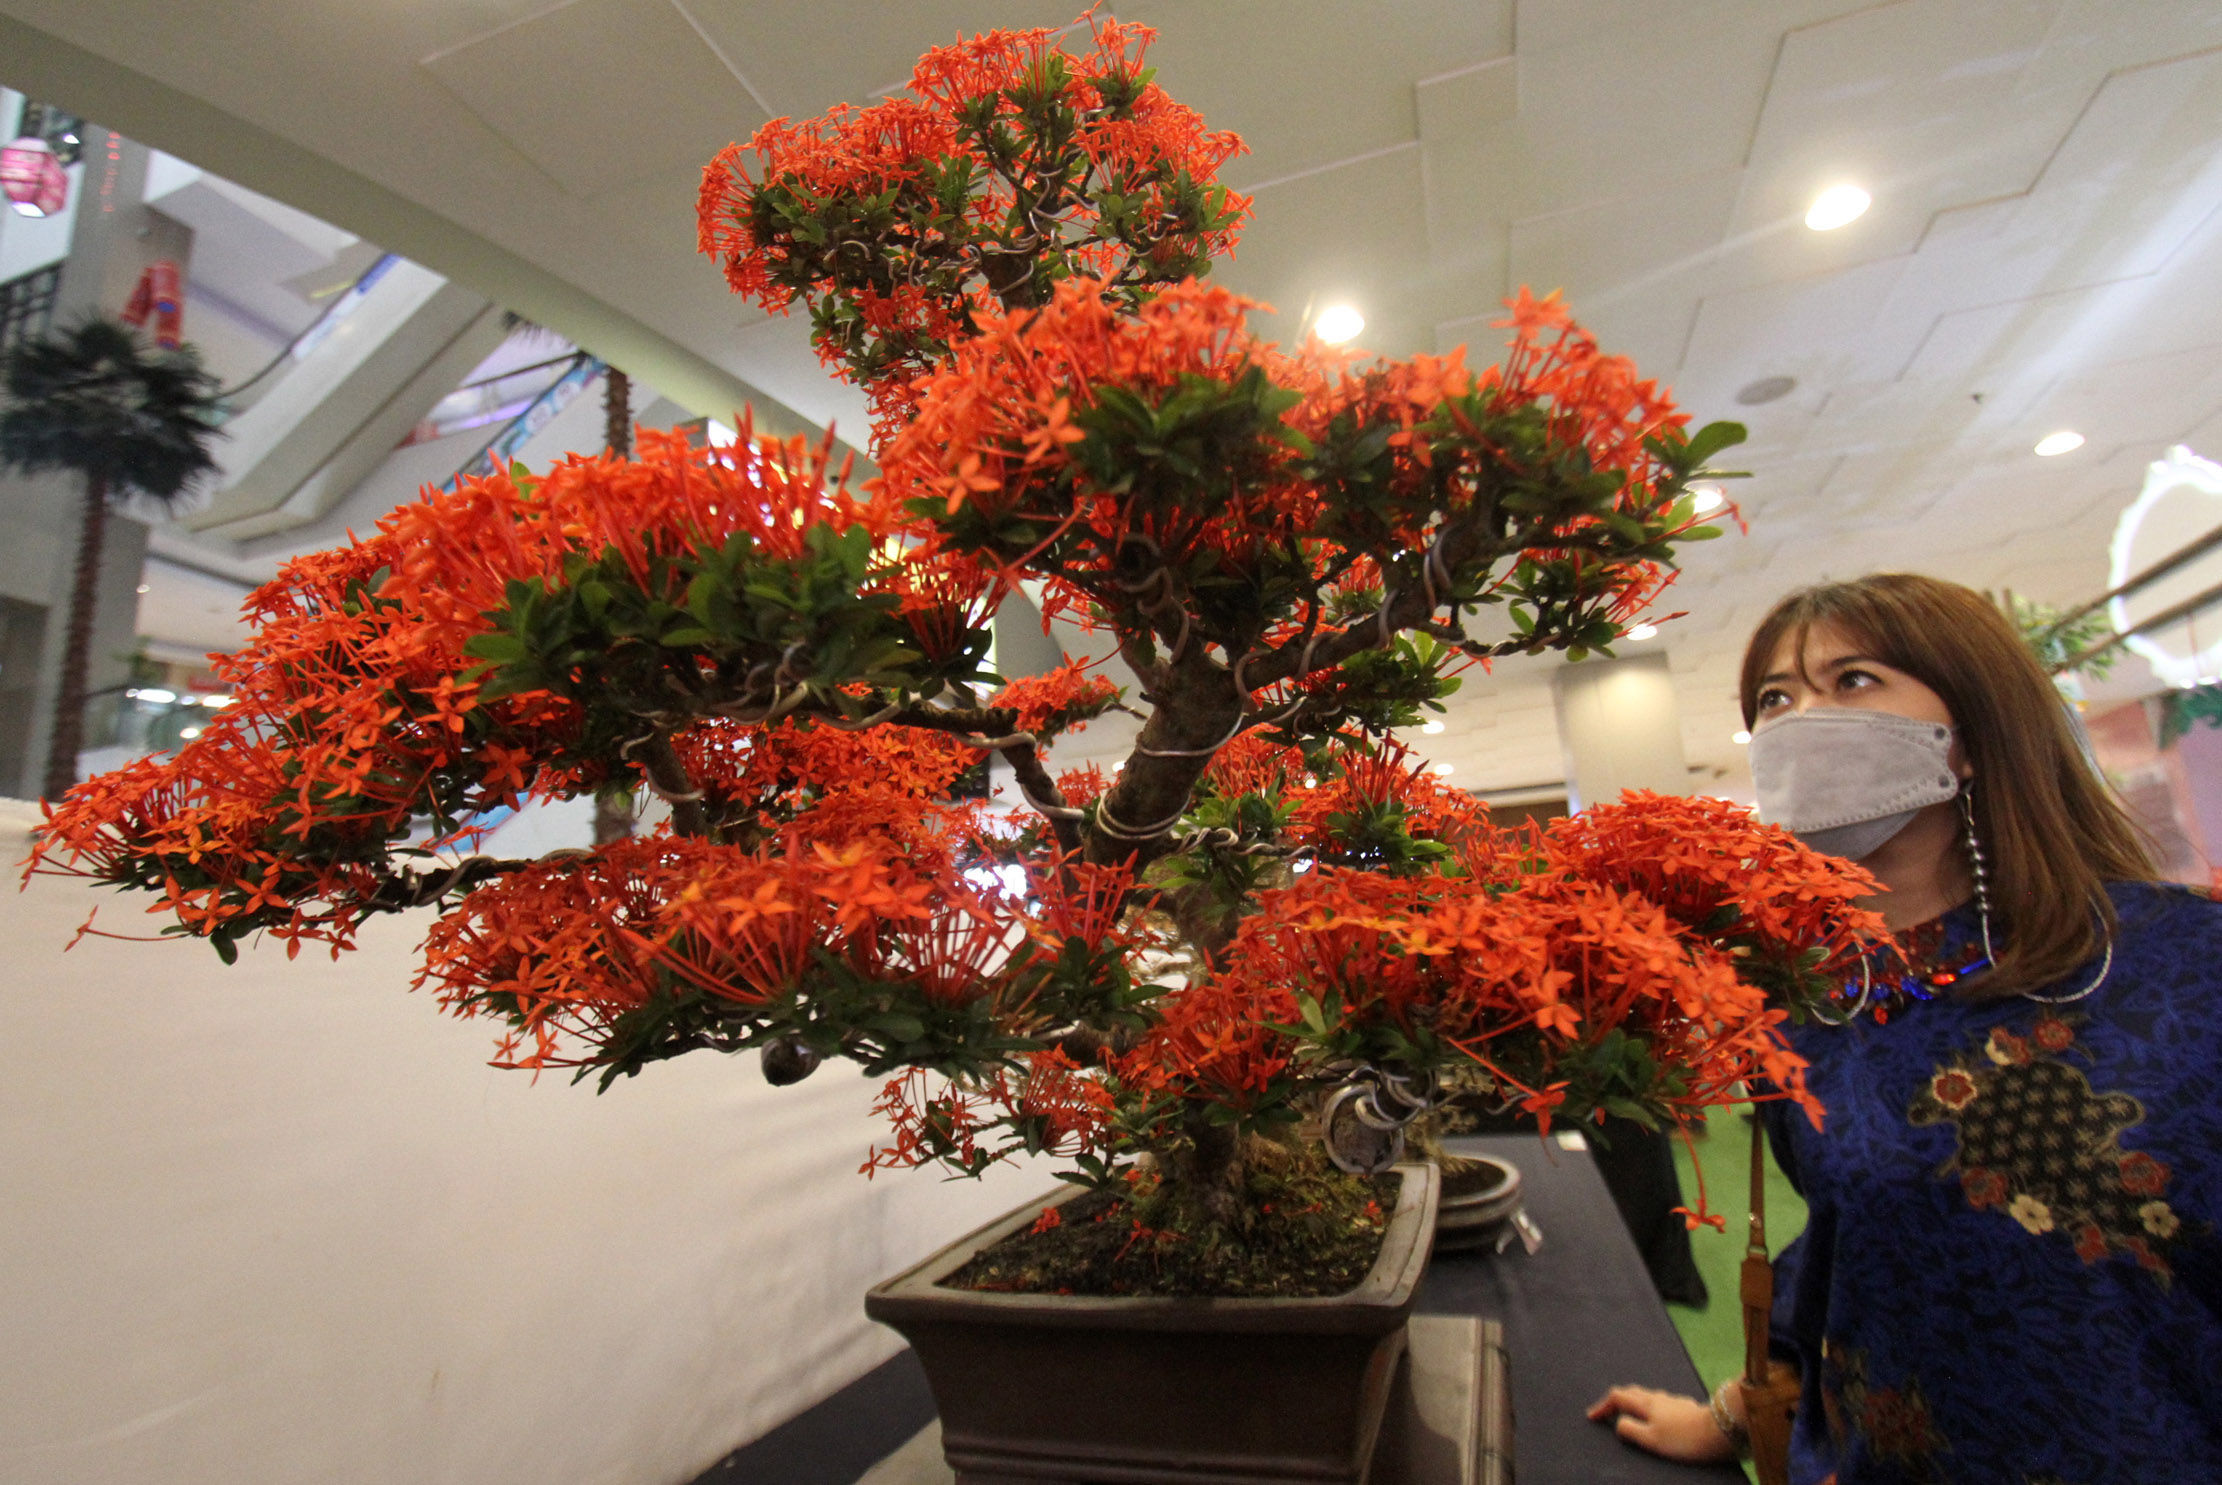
1041 1387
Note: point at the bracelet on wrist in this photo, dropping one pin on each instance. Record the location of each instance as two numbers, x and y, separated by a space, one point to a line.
1736 1432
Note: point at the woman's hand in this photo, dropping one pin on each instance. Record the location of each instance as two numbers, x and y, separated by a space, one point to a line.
1668 1425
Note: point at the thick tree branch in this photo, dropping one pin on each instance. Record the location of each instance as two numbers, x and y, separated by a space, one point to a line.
668 777
1042 793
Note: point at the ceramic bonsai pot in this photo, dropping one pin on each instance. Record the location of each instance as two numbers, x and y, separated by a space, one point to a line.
1477 1201
1034 1388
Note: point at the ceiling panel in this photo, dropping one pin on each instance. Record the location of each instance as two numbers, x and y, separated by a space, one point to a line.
1919 102
1467 157
1344 234
1308 84
1822 329
640 90
1632 266
1653 96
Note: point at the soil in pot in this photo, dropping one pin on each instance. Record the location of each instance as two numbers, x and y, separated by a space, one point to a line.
1310 1230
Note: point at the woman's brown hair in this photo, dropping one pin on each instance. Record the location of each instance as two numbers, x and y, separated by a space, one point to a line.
2052 832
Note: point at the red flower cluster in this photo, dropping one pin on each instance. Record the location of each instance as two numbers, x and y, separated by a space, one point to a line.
1388 775
995 428
347 720
970 163
454 554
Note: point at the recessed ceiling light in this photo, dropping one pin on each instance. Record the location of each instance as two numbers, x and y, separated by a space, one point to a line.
1440 769
1837 206
1338 323
143 588
1739 737
1705 499
1644 631
190 733
1432 727
2066 441
1766 389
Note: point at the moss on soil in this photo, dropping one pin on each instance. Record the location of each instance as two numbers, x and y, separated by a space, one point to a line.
1308 1231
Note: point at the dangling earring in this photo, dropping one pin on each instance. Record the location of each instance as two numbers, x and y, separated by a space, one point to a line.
1866 993
1983 906
1975 868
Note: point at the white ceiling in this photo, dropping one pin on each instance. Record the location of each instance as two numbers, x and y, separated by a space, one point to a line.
2045 248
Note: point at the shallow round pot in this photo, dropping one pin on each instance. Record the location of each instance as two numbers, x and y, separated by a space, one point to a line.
1044 1387
1476 1204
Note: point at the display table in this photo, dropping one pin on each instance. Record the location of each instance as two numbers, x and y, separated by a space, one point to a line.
1579 1315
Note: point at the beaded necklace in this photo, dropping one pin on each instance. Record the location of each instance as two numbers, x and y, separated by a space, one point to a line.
1920 976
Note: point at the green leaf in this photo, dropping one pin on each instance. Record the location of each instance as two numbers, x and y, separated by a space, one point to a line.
1711 439
495 645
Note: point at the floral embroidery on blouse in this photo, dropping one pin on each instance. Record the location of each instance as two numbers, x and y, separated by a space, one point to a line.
2040 1145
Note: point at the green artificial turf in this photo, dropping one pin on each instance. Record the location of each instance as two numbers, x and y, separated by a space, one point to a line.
1714 1336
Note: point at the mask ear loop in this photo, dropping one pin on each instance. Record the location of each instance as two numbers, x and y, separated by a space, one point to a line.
1983 909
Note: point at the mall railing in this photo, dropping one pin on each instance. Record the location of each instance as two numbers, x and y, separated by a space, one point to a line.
503 446
238 399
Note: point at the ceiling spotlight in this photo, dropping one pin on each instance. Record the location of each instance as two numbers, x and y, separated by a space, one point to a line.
1739 737
1705 499
2066 441
1766 389
1432 728
1837 206
1338 323
189 733
157 696
1440 769
1644 631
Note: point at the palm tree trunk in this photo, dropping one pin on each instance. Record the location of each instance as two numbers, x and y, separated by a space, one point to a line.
613 802
84 602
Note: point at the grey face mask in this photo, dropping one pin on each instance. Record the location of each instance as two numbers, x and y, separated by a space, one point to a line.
1844 780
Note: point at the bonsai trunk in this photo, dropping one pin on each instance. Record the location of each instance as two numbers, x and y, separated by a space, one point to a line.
68 736
1208 1173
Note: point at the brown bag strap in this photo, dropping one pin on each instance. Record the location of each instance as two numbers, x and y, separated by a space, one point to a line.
1758 1275
1770 1387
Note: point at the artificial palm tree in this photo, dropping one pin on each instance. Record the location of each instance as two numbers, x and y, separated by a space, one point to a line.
127 420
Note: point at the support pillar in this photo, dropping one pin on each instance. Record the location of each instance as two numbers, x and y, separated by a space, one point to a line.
1619 728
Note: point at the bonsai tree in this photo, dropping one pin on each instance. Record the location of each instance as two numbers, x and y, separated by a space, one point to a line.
126 420
1158 975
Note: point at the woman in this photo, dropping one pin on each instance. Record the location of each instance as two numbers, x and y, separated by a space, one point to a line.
2011 1270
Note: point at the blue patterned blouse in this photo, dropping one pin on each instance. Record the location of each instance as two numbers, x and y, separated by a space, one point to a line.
2012 1272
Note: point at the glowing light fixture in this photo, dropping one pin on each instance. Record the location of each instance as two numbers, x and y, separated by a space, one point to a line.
1739 737
2181 472
1440 770
1836 207
1432 728
1705 499
156 695
2066 441
189 733
1338 323
1644 631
